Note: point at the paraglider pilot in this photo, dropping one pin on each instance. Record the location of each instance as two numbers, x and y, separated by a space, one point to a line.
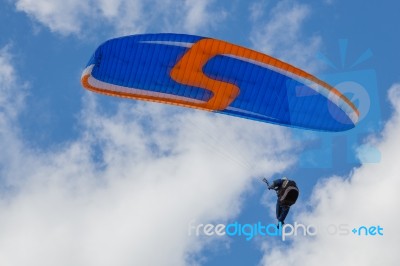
287 193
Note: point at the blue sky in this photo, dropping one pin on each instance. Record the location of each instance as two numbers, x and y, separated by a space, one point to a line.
93 180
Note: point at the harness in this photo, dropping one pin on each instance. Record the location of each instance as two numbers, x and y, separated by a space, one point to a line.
288 193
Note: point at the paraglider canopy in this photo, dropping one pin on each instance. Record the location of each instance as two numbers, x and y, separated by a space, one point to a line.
216 76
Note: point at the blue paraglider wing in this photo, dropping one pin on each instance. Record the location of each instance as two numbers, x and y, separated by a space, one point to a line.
217 76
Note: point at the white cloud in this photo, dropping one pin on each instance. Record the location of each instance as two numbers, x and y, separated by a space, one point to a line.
11 103
124 16
198 15
7 81
279 33
368 196
62 16
124 192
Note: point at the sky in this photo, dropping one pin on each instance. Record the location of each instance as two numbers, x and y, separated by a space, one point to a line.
87 179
